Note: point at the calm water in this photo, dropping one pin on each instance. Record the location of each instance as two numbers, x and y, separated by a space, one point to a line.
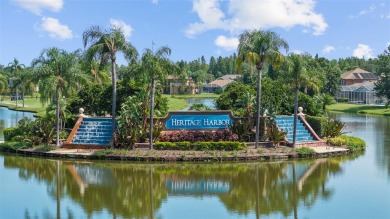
10 118
355 186
206 101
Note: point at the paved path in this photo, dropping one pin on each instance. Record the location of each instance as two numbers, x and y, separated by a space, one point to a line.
67 151
327 149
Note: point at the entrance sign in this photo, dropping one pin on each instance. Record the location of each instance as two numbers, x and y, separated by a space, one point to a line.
198 120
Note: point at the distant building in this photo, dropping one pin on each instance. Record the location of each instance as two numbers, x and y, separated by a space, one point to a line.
176 86
358 87
358 75
219 84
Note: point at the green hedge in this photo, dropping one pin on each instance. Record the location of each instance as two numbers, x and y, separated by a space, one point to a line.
318 124
304 151
200 146
9 133
343 100
13 146
353 143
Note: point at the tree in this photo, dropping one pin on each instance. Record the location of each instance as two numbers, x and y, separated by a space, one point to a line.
296 67
382 87
104 45
3 82
156 65
57 74
259 48
16 68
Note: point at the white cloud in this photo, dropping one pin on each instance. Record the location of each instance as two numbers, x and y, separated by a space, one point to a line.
37 6
126 28
55 29
155 2
385 16
328 49
363 51
367 11
252 14
228 44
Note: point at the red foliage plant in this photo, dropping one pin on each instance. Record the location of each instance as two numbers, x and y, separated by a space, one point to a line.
198 136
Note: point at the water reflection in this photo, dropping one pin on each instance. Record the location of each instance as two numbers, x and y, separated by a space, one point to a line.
375 130
10 118
205 101
139 190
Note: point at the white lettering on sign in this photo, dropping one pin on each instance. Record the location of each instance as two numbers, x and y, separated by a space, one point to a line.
185 122
206 122
214 122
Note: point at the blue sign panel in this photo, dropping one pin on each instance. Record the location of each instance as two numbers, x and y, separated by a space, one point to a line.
192 122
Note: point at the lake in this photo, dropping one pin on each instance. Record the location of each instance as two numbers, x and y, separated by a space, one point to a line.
205 101
356 186
10 118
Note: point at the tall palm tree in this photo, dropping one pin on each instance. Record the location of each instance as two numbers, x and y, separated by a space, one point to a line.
297 69
3 82
259 48
57 73
156 65
16 68
104 45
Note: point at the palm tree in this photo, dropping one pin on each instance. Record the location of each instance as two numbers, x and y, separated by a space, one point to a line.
3 82
156 65
57 73
296 67
16 68
104 45
325 100
259 48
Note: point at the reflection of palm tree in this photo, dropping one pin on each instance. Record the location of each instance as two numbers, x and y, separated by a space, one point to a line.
105 44
258 48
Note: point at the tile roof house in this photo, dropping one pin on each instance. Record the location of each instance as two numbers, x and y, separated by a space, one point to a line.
358 87
357 75
219 84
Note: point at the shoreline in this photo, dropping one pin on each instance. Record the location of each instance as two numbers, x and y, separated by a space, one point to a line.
141 154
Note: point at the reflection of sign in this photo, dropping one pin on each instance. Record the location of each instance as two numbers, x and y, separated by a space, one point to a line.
188 121
198 186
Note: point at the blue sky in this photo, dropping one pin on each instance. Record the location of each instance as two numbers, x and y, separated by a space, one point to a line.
330 28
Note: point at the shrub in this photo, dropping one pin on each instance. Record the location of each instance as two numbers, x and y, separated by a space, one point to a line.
198 136
352 143
342 100
318 124
275 135
333 128
12 146
200 146
10 133
165 146
304 151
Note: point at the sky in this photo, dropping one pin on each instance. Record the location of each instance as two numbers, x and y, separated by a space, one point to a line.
191 28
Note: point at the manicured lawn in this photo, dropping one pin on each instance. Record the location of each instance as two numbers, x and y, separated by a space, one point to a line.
359 108
31 104
175 103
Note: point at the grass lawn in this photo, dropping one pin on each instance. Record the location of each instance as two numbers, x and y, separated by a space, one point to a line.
31 104
175 103
359 108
